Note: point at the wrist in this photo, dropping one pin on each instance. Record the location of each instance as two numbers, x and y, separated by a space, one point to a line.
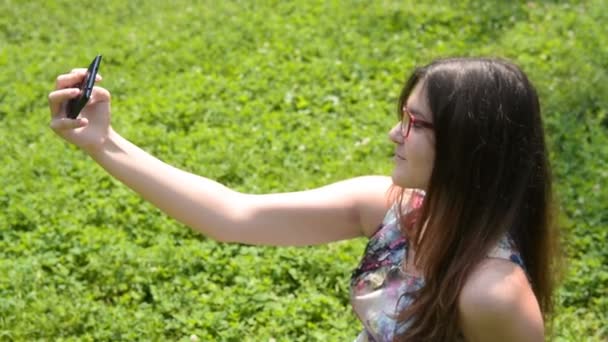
107 144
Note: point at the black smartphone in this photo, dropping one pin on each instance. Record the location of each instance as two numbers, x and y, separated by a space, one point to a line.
75 105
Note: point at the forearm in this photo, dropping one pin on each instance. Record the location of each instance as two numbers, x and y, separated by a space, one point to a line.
198 202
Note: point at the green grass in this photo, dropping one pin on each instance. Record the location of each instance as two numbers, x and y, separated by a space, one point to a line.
265 97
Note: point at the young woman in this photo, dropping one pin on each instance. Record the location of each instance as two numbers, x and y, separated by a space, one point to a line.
461 236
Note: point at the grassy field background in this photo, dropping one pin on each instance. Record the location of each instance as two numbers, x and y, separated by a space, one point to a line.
264 96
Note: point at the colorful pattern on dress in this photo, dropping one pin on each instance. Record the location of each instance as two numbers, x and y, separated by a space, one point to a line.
380 287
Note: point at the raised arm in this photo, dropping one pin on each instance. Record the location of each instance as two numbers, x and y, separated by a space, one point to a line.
339 211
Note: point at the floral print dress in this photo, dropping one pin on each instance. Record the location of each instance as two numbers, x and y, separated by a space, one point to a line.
379 285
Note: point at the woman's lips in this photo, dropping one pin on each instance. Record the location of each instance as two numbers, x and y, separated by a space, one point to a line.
397 156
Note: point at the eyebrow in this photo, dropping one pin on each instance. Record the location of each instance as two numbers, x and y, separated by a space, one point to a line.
416 111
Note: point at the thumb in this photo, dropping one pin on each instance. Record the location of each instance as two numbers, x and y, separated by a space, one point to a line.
99 95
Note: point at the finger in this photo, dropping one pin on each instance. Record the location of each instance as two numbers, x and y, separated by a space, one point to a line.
72 79
78 71
58 97
83 71
62 124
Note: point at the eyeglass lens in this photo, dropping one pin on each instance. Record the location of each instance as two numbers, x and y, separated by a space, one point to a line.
405 124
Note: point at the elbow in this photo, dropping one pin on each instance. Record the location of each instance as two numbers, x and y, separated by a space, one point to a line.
223 237
227 229
223 234
221 221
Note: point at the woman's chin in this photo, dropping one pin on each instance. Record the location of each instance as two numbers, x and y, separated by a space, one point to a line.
399 180
405 182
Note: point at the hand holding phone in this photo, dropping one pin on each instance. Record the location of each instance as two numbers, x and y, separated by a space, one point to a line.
86 89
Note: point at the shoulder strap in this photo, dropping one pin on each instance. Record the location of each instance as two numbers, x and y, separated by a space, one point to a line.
506 249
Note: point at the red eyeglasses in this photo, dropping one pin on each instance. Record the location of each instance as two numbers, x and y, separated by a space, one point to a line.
408 120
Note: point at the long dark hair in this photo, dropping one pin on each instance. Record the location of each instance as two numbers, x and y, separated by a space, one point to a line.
491 177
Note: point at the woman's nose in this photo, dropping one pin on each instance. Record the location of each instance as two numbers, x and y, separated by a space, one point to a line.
395 135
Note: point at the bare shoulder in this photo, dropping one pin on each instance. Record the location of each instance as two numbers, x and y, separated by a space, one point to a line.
372 200
497 303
